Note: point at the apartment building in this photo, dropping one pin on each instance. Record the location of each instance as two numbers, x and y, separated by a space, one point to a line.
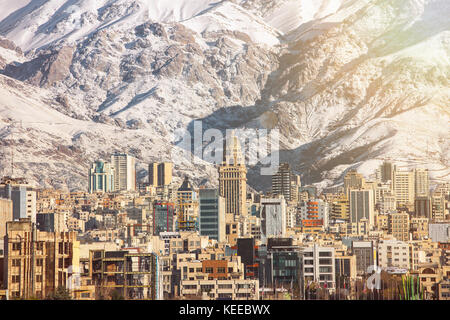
131 273
37 263
233 289
399 225
319 266
393 253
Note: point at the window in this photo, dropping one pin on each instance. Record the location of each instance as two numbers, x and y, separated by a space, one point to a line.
220 270
208 270
16 262
15 279
16 246
325 261
39 278
85 295
39 262
206 287
325 254
190 287
325 269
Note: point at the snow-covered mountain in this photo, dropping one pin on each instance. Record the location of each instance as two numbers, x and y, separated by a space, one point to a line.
347 82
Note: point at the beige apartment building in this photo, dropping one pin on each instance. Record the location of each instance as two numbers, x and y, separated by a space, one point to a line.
404 185
393 253
37 263
233 289
353 180
419 228
399 225
422 184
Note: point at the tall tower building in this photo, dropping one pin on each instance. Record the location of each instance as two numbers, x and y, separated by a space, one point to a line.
340 208
361 206
422 184
353 180
422 207
124 172
284 182
233 179
386 171
160 174
187 206
101 177
404 187
212 214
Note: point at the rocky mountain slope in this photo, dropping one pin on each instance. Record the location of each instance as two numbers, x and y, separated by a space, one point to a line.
347 83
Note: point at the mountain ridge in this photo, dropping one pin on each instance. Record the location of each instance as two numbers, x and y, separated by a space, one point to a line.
346 87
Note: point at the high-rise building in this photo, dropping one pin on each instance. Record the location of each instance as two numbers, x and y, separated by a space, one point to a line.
163 217
340 208
24 202
273 218
314 210
422 184
319 266
101 177
124 172
437 207
380 190
403 186
422 207
6 214
283 264
388 203
212 214
37 263
187 206
386 171
364 252
285 183
399 225
362 206
233 179
160 173
353 180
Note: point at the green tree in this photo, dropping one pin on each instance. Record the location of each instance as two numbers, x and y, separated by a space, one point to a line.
116 295
61 293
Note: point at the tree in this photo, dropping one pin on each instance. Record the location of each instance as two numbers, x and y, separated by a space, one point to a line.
116 295
61 293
